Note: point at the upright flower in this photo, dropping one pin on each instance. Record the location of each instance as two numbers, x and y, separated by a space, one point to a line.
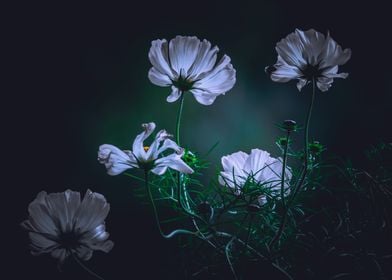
61 224
258 166
188 64
308 55
148 158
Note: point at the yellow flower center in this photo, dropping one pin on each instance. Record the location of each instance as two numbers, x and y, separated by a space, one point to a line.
146 148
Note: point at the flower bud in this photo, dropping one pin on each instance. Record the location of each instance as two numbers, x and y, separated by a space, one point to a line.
289 125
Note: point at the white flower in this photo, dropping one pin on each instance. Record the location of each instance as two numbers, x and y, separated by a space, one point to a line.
62 224
188 64
262 168
304 55
117 161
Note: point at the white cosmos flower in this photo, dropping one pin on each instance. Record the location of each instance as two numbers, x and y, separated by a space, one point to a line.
262 168
188 64
304 55
117 161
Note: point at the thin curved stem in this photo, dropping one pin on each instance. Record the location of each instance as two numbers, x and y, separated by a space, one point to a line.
304 169
173 233
284 170
85 267
179 116
306 140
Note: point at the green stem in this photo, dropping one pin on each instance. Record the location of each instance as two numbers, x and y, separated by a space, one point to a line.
306 140
179 115
284 170
304 169
173 233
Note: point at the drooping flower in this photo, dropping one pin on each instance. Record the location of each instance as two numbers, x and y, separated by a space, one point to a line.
257 166
61 224
188 64
148 158
308 55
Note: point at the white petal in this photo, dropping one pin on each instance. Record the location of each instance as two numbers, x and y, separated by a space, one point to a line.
284 72
332 72
301 83
158 56
255 162
175 162
159 170
60 254
182 52
235 161
138 147
290 49
91 213
205 60
159 79
168 144
313 43
333 54
219 80
174 96
203 97
40 217
152 152
324 83
233 182
116 161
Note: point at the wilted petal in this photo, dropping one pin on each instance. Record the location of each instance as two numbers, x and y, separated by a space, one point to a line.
103 246
158 56
152 152
168 144
115 160
183 51
324 83
84 253
138 147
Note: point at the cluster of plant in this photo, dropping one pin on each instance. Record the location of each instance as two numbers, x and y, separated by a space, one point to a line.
285 216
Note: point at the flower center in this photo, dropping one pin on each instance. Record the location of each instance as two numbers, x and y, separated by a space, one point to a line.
311 71
146 148
69 240
183 83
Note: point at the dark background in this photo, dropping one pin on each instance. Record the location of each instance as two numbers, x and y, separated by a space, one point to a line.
77 77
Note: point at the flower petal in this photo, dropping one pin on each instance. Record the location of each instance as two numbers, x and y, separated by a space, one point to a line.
290 49
168 144
40 217
205 60
152 152
332 54
175 162
301 83
159 79
204 98
138 147
313 43
158 56
255 162
183 51
91 213
116 161
282 72
175 94
219 80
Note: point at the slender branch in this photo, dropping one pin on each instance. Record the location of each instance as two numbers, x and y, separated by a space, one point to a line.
173 233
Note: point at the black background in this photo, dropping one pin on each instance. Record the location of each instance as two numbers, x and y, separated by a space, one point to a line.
49 84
